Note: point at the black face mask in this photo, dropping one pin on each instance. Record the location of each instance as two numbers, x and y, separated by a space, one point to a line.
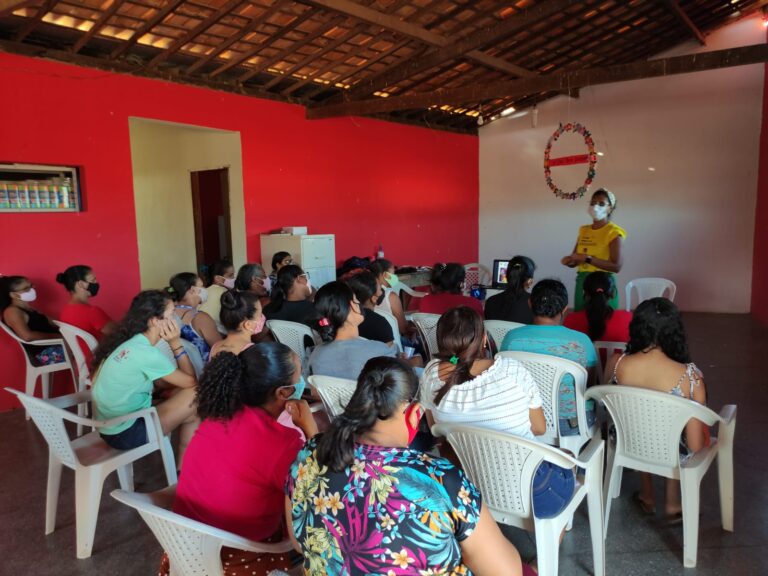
93 288
381 298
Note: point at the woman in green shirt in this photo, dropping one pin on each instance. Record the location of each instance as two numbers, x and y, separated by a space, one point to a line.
127 364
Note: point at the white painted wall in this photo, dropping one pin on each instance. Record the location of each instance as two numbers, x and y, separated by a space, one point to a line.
162 156
690 220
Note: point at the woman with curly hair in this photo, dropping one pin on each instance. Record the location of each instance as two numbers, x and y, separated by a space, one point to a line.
127 364
657 358
238 461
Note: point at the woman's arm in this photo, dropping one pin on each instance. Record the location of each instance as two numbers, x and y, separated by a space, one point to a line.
568 260
694 430
289 525
108 328
16 321
397 312
206 327
538 421
487 552
184 377
612 265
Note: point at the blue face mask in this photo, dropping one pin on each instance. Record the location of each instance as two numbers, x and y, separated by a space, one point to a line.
300 385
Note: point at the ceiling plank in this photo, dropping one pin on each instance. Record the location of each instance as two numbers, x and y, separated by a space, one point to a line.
459 47
185 39
681 15
98 25
10 6
148 25
560 81
33 22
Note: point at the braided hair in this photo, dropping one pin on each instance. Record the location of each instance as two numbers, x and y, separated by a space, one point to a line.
460 335
231 382
383 386
549 298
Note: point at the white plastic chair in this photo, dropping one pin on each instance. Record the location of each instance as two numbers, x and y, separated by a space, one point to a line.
44 372
427 327
292 334
333 392
497 330
647 288
389 317
193 548
648 428
548 372
476 273
90 457
72 336
502 467
604 351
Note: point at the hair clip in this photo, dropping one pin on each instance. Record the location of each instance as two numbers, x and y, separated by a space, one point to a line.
171 290
324 322
454 360
599 291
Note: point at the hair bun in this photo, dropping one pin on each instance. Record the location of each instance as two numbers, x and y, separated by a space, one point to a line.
229 300
61 278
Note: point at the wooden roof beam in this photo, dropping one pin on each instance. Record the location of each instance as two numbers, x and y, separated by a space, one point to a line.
98 25
10 6
553 82
148 25
681 15
35 20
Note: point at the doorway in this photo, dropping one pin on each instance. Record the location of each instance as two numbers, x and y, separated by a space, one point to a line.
210 211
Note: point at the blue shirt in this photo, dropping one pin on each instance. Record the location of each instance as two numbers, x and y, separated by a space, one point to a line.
555 341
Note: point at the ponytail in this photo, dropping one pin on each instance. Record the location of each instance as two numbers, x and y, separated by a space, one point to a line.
286 277
382 387
599 288
519 270
332 304
447 278
460 333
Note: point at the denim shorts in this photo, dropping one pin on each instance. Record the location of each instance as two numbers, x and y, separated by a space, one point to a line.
570 426
552 489
132 437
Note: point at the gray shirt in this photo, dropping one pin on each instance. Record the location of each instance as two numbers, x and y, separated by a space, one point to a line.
346 358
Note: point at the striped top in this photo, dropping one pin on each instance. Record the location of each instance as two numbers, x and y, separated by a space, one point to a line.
499 398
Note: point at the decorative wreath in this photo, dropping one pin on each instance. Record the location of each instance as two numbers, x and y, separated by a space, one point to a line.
589 158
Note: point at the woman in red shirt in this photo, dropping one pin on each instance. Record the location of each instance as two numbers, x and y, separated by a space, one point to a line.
447 284
599 320
238 461
80 282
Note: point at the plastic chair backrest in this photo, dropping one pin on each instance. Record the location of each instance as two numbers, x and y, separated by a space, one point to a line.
50 421
334 392
604 351
292 334
501 465
649 423
647 288
72 336
548 372
497 329
389 317
193 548
476 273
427 325
23 343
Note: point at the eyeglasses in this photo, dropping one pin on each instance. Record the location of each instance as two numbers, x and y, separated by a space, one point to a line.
305 274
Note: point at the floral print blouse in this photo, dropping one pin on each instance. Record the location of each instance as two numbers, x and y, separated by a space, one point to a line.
393 511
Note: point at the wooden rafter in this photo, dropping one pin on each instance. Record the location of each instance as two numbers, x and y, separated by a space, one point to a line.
33 23
10 6
148 25
457 48
177 44
98 25
552 82
681 15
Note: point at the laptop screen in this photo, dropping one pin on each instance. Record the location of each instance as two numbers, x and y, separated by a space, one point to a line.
500 274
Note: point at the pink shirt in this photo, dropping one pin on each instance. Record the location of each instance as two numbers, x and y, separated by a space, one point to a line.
234 474
616 329
440 303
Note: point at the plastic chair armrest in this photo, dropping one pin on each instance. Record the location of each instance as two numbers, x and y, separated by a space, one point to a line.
146 413
70 400
728 413
263 547
592 450
46 342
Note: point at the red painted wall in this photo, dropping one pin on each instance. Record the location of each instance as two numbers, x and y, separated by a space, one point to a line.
413 190
760 259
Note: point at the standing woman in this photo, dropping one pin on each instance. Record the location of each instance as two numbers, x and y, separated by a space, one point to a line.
80 282
598 247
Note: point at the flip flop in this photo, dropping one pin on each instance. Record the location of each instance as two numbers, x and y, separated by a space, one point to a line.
646 509
671 520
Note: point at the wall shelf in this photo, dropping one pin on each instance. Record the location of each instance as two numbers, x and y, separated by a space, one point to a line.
39 188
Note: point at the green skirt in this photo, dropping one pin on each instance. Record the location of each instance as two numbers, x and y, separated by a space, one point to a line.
578 296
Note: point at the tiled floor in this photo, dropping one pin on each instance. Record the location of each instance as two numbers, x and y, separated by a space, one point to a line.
731 350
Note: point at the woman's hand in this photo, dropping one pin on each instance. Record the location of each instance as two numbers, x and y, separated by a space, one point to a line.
170 332
568 261
302 416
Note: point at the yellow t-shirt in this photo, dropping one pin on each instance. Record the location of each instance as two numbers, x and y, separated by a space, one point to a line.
597 243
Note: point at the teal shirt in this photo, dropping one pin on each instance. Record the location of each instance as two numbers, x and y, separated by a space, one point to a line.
555 341
125 381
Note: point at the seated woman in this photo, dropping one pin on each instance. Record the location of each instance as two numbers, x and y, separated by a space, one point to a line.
252 278
222 278
389 300
447 283
279 261
513 305
127 364
238 462
80 282
291 296
367 291
598 319
549 301
241 316
463 386
16 295
343 352
358 496
186 290
657 358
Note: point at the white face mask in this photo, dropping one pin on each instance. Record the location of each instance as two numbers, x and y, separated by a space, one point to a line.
309 286
28 296
229 283
268 284
598 212
203 295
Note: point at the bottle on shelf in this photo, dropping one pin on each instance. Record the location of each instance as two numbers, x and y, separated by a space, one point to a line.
380 252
